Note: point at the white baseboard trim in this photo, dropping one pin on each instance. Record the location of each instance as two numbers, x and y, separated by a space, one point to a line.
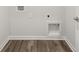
34 38
69 44
3 44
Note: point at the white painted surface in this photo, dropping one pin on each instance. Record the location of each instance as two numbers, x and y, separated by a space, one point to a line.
77 30
69 24
35 38
32 21
72 26
4 29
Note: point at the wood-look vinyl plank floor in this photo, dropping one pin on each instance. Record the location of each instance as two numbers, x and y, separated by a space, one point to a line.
36 46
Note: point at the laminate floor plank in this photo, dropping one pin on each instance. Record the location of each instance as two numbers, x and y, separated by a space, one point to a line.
17 46
24 46
42 46
11 46
34 46
57 46
51 46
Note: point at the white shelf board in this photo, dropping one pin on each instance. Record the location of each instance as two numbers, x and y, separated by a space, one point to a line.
54 34
53 22
58 31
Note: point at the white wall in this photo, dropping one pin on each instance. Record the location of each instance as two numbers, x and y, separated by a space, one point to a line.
69 24
32 21
3 24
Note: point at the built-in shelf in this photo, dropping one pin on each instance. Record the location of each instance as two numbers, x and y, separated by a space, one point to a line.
54 28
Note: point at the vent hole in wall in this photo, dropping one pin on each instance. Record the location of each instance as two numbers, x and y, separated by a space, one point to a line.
48 16
20 8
